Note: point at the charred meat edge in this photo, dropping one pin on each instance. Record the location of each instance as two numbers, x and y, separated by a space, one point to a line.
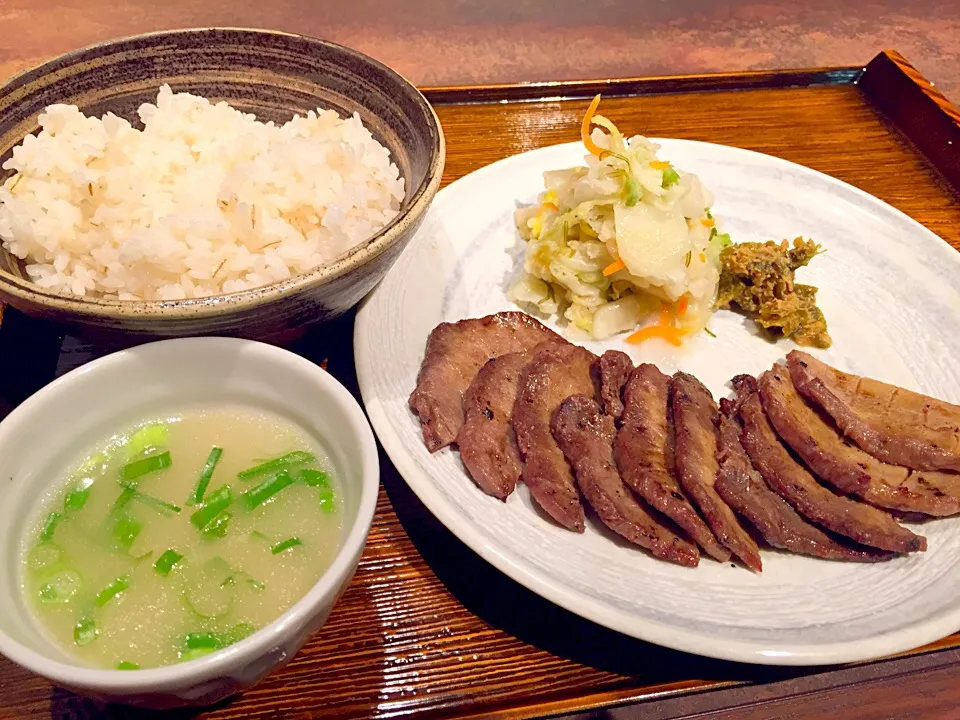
839 462
614 368
454 354
585 435
553 375
695 424
933 448
643 450
862 523
743 489
488 447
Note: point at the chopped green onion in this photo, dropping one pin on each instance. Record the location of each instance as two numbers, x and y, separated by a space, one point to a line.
50 525
154 463
258 495
326 500
127 665
206 591
708 213
149 437
96 463
218 501
253 582
298 457
236 634
196 654
670 177
724 240
167 561
315 478
285 545
201 640
76 498
44 555
123 499
156 503
85 631
61 587
125 531
198 492
112 590
631 191
709 332
218 526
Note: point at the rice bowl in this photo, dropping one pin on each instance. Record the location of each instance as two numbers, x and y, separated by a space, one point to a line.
205 200
274 76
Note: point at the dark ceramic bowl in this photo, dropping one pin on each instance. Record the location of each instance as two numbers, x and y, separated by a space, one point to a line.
274 76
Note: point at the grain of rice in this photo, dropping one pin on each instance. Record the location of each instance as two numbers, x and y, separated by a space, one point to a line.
204 200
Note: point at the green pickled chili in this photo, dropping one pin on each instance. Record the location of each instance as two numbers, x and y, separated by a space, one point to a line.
127 665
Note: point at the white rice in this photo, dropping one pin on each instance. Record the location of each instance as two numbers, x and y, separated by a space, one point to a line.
204 200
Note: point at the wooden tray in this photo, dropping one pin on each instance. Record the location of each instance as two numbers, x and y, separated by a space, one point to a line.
427 628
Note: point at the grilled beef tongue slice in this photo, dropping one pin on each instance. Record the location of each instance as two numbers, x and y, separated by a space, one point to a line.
585 435
695 453
614 368
836 460
894 425
488 447
743 489
454 355
643 450
862 523
553 375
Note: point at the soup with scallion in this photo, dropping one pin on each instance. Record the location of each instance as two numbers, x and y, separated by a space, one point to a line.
180 536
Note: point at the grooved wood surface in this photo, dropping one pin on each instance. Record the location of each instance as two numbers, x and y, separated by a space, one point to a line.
429 629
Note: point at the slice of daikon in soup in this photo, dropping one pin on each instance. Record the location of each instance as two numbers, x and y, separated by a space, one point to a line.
180 536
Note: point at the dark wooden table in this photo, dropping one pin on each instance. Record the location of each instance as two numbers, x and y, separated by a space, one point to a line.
429 629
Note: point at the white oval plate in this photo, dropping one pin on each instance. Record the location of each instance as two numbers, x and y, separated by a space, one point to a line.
889 288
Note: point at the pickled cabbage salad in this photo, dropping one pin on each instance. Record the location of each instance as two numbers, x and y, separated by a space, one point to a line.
625 242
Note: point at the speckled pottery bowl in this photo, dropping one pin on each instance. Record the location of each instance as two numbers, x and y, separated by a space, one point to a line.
274 76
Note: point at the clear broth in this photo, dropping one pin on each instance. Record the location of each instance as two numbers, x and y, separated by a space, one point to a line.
223 588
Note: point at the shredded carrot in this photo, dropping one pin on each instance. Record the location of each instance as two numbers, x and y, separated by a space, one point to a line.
682 305
615 266
549 206
666 332
703 257
659 164
591 146
708 222
666 316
